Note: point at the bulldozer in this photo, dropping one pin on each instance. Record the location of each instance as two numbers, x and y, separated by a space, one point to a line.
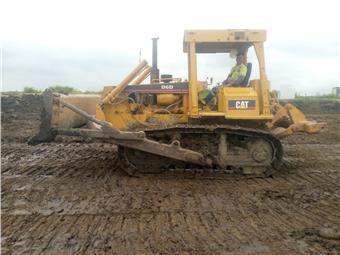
163 124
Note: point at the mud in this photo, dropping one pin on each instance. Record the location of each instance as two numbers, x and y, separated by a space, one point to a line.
70 198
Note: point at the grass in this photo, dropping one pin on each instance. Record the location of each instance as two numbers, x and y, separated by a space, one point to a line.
56 88
318 98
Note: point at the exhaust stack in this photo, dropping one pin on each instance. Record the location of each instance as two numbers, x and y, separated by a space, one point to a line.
154 71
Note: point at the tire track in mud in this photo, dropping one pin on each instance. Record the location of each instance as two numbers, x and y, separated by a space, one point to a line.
129 240
72 198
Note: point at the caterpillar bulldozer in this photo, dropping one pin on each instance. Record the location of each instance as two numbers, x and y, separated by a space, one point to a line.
163 124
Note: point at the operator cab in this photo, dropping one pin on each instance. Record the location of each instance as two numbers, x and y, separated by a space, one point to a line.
250 99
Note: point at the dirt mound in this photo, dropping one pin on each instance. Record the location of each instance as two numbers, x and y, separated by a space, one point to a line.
28 103
20 116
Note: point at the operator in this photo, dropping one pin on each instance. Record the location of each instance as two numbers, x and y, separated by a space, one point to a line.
237 73
234 79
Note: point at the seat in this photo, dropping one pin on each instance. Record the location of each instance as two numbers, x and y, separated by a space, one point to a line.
246 78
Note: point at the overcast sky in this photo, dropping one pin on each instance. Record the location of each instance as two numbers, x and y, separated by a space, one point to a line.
89 44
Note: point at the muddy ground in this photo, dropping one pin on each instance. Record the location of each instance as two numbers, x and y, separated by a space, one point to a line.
71 198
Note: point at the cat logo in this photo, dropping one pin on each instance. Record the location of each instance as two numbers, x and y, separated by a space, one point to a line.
241 105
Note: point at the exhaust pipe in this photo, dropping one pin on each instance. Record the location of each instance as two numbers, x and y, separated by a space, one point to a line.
154 71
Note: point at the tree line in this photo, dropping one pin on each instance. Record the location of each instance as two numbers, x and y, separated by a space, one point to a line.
58 89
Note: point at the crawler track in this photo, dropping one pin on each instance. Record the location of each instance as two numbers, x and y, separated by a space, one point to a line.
239 154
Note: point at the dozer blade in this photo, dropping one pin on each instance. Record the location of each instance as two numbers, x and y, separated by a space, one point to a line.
134 140
296 121
56 115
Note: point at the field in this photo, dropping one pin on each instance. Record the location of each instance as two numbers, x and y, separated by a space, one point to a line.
66 198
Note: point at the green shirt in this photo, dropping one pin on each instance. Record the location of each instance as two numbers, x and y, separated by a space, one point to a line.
237 74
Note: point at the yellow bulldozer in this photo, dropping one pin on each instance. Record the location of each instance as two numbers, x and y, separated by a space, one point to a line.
163 124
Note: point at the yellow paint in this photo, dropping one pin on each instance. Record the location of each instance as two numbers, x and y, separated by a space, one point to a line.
142 76
125 82
223 35
65 118
167 99
193 92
